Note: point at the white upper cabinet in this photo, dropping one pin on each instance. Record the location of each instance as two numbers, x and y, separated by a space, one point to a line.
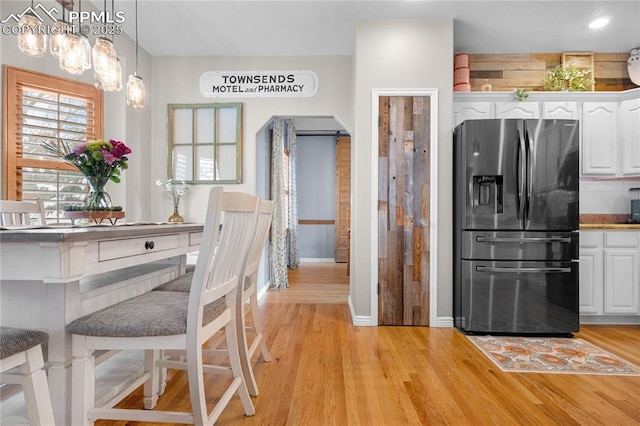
599 138
517 110
629 133
609 123
471 111
560 110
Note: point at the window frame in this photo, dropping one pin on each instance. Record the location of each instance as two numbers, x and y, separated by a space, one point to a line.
12 162
193 144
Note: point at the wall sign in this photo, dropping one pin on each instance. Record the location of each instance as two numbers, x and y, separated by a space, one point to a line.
258 84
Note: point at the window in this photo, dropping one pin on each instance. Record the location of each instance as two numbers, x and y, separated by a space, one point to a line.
38 108
205 142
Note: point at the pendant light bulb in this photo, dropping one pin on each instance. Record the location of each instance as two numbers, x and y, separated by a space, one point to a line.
59 32
135 92
32 40
104 56
72 56
84 40
112 81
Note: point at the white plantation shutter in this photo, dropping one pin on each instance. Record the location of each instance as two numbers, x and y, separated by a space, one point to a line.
45 108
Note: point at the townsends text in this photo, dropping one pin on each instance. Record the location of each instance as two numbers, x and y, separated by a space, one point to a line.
257 84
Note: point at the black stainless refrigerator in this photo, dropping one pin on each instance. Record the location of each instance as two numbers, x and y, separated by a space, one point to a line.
516 226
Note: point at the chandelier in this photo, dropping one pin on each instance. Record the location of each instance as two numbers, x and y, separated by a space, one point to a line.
73 49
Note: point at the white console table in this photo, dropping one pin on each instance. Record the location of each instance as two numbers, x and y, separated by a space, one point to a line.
51 276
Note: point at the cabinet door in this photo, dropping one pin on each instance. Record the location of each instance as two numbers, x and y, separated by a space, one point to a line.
591 285
517 110
629 120
599 138
591 273
621 281
560 110
471 111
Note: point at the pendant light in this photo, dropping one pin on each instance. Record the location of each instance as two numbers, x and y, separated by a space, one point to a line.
71 57
73 53
135 85
32 40
84 40
104 57
58 35
112 81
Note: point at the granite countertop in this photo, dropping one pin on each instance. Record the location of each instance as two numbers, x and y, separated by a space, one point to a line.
588 226
606 221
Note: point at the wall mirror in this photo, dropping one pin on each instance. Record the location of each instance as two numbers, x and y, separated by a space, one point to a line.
205 142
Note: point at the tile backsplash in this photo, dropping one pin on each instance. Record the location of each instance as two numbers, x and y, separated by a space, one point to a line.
606 196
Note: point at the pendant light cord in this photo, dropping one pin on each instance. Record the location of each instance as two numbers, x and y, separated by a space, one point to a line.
136 70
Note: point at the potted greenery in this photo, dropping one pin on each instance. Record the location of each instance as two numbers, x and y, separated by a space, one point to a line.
569 78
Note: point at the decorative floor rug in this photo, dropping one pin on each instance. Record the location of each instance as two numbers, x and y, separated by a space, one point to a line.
551 355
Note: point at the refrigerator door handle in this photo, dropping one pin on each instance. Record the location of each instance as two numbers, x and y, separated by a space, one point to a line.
523 240
520 178
523 270
528 173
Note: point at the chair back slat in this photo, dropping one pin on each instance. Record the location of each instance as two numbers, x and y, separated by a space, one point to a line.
265 213
22 213
223 250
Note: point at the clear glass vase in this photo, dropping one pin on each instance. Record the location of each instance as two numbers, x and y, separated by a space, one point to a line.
97 198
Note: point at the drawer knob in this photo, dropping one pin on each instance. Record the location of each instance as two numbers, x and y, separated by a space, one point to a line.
149 245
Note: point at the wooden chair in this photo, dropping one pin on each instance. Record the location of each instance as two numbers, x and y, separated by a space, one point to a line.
22 348
250 293
163 320
16 213
247 292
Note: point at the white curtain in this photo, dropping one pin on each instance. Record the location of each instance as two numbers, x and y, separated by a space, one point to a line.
279 224
292 235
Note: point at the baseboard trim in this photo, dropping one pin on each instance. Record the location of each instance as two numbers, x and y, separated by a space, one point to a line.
367 321
444 322
317 260
360 320
609 320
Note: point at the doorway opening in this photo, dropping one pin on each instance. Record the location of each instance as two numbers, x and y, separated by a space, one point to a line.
321 191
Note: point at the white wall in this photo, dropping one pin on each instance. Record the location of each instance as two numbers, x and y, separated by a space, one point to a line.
316 180
399 54
175 80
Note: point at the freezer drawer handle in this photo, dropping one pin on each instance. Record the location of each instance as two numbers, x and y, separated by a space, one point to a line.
523 270
523 240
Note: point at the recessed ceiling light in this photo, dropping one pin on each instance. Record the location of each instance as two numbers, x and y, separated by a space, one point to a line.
598 23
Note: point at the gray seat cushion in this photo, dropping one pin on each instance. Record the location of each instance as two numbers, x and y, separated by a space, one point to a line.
157 313
16 340
183 283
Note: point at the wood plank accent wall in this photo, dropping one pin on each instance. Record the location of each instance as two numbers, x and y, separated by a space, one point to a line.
343 198
506 72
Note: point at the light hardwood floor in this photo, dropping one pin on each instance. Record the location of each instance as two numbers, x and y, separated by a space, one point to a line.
325 371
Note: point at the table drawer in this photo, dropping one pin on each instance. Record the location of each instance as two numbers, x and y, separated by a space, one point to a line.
195 238
127 247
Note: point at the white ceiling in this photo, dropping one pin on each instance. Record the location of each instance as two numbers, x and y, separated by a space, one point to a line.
327 27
